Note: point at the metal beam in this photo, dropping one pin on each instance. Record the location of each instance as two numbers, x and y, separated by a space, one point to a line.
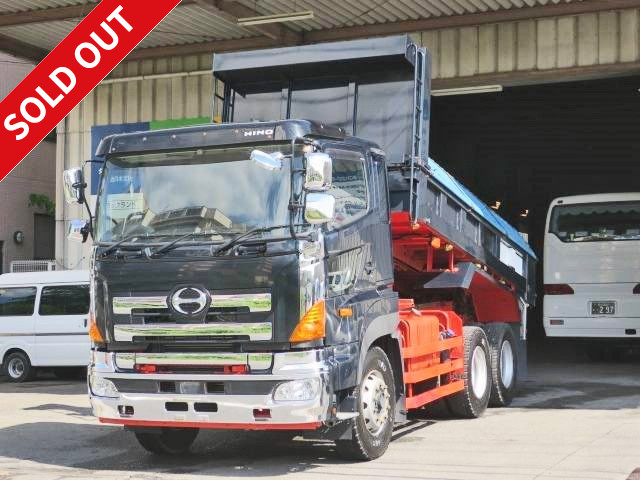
466 20
232 10
203 47
21 49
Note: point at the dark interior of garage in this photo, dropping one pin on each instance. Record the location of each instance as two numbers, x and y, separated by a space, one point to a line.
527 145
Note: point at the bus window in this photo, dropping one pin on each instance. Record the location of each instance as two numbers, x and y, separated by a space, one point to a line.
596 222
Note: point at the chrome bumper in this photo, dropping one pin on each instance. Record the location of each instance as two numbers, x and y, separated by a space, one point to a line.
232 410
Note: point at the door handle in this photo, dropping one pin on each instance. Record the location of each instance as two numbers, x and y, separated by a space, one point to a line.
85 323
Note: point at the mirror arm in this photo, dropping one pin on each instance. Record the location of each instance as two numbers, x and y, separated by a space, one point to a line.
83 200
90 230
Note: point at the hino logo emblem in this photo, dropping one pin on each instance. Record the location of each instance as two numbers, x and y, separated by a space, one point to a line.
189 300
253 133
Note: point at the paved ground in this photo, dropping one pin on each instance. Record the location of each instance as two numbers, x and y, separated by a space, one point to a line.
574 420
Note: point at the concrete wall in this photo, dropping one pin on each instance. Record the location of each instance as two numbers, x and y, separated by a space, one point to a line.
524 52
35 174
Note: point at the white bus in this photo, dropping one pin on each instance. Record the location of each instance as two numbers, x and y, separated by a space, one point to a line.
43 323
592 266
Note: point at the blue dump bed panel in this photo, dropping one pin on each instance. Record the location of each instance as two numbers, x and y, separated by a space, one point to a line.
470 200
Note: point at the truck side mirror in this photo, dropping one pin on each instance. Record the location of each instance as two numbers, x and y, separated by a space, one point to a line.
78 230
74 185
318 172
319 208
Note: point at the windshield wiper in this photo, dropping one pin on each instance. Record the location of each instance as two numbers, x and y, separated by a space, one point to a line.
117 245
172 245
254 231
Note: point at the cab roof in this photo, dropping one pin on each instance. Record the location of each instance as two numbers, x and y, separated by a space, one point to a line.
214 135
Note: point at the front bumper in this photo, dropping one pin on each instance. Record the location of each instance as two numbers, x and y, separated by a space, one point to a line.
240 401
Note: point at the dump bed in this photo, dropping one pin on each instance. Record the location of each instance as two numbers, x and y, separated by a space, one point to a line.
378 90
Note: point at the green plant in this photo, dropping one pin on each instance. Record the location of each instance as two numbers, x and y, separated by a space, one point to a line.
43 202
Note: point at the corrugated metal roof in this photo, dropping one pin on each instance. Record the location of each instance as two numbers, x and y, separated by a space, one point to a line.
7 6
344 13
190 23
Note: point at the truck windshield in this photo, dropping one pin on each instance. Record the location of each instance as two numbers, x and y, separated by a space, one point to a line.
212 194
592 222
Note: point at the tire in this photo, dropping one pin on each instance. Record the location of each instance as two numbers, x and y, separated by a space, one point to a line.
17 367
168 441
504 364
473 400
371 430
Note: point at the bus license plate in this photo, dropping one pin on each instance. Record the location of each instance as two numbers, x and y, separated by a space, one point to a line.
603 308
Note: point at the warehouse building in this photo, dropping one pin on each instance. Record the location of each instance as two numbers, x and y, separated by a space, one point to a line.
533 98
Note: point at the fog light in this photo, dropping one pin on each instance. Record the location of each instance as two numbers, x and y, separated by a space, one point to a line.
297 390
101 387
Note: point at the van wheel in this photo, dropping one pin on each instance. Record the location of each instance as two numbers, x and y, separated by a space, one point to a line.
17 367
168 441
504 363
371 430
473 400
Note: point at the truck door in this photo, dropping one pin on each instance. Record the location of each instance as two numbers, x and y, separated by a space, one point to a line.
61 329
354 242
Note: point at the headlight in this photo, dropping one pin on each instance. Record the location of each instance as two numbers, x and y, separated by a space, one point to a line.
101 387
297 390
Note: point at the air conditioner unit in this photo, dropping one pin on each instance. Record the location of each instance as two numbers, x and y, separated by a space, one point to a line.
24 266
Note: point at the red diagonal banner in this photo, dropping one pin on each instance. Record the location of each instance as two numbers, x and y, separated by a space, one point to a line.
74 68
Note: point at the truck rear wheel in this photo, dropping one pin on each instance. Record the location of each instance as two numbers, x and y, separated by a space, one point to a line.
504 363
168 441
473 400
371 430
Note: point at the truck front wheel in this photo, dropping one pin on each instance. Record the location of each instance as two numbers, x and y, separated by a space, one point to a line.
371 430
473 400
167 441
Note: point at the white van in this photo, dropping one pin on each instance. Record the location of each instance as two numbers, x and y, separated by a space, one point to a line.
592 266
43 323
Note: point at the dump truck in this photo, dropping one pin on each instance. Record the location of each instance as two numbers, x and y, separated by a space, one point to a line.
300 263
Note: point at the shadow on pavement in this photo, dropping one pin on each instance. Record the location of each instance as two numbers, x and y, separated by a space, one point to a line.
61 387
98 447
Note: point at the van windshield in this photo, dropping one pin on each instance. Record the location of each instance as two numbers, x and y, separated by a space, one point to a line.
592 222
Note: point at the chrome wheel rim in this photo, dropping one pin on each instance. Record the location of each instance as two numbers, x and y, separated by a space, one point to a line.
507 367
16 368
376 407
479 372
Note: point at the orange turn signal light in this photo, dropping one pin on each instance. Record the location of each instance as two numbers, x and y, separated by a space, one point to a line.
435 242
345 312
312 324
94 332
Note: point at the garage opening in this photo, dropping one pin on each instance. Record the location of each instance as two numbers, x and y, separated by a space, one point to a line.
523 147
